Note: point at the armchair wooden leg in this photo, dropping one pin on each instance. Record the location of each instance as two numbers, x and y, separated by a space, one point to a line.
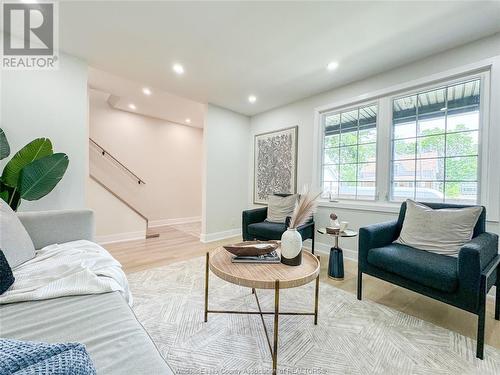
481 315
360 284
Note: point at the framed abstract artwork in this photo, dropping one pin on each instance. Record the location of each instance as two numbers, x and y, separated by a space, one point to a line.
275 164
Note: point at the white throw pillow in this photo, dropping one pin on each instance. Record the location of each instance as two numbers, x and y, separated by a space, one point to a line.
278 208
441 231
15 242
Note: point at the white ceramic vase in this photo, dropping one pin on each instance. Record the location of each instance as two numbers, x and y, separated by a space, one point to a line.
291 247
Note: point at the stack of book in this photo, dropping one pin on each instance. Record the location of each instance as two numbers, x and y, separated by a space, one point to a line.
272 257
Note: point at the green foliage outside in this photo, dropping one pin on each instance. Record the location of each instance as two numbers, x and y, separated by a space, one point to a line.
352 153
340 149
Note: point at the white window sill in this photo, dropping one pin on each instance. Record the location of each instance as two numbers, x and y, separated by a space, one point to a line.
372 206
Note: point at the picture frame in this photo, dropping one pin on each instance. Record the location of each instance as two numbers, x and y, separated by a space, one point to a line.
275 163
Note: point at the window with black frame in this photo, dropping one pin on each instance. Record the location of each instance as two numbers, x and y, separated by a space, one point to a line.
350 153
435 144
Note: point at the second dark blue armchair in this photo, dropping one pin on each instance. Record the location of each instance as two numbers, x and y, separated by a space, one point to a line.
461 281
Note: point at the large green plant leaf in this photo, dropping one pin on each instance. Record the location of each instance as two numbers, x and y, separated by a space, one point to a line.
37 149
38 178
4 194
4 146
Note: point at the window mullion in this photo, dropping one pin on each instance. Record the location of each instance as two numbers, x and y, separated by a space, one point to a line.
445 141
416 147
383 152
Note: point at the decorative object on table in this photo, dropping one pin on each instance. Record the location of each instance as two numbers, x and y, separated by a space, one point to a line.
334 227
343 226
462 281
275 163
252 248
32 173
291 240
334 220
336 260
272 257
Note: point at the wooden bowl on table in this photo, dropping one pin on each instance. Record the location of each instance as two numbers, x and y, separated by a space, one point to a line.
252 248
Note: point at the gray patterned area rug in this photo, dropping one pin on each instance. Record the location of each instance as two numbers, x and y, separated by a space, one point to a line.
352 337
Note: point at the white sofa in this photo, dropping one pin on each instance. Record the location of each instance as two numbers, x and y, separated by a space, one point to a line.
115 340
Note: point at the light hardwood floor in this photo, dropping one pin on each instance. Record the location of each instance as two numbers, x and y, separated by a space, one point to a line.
179 242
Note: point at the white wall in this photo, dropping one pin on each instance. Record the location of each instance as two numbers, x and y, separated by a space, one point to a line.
50 104
114 220
301 113
225 175
167 156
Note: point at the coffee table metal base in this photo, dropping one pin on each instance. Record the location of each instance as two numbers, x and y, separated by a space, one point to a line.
273 348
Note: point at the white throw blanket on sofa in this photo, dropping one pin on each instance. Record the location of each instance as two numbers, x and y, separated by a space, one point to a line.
68 269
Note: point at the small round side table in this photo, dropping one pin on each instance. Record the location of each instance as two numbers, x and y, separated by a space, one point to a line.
336 261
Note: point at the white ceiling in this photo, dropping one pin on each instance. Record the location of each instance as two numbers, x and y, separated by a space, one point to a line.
275 50
160 104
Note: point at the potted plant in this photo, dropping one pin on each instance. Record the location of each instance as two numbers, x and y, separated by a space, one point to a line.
32 173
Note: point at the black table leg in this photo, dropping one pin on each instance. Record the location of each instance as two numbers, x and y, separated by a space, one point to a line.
206 285
336 264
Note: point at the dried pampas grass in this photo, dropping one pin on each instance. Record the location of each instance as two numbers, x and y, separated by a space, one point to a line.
305 208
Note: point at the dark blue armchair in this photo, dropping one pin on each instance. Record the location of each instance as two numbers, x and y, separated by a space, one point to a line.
255 227
462 281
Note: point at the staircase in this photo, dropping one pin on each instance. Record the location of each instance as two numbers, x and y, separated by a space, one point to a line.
124 169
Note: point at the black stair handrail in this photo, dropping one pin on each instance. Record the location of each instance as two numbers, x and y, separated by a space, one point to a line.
104 152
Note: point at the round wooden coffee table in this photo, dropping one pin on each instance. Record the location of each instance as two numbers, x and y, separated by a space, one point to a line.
263 276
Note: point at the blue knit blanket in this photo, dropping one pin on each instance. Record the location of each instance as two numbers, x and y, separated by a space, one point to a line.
23 358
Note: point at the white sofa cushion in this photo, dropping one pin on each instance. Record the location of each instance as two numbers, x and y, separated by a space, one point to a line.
15 241
441 231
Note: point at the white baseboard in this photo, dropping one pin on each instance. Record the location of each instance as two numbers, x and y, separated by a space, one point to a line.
217 236
180 220
120 237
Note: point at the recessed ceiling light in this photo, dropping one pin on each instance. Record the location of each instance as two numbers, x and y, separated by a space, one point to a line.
146 91
132 106
332 65
252 98
178 68
188 121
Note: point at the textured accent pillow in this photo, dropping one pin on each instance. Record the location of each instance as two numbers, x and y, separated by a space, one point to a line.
278 208
26 358
441 231
6 276
15 242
